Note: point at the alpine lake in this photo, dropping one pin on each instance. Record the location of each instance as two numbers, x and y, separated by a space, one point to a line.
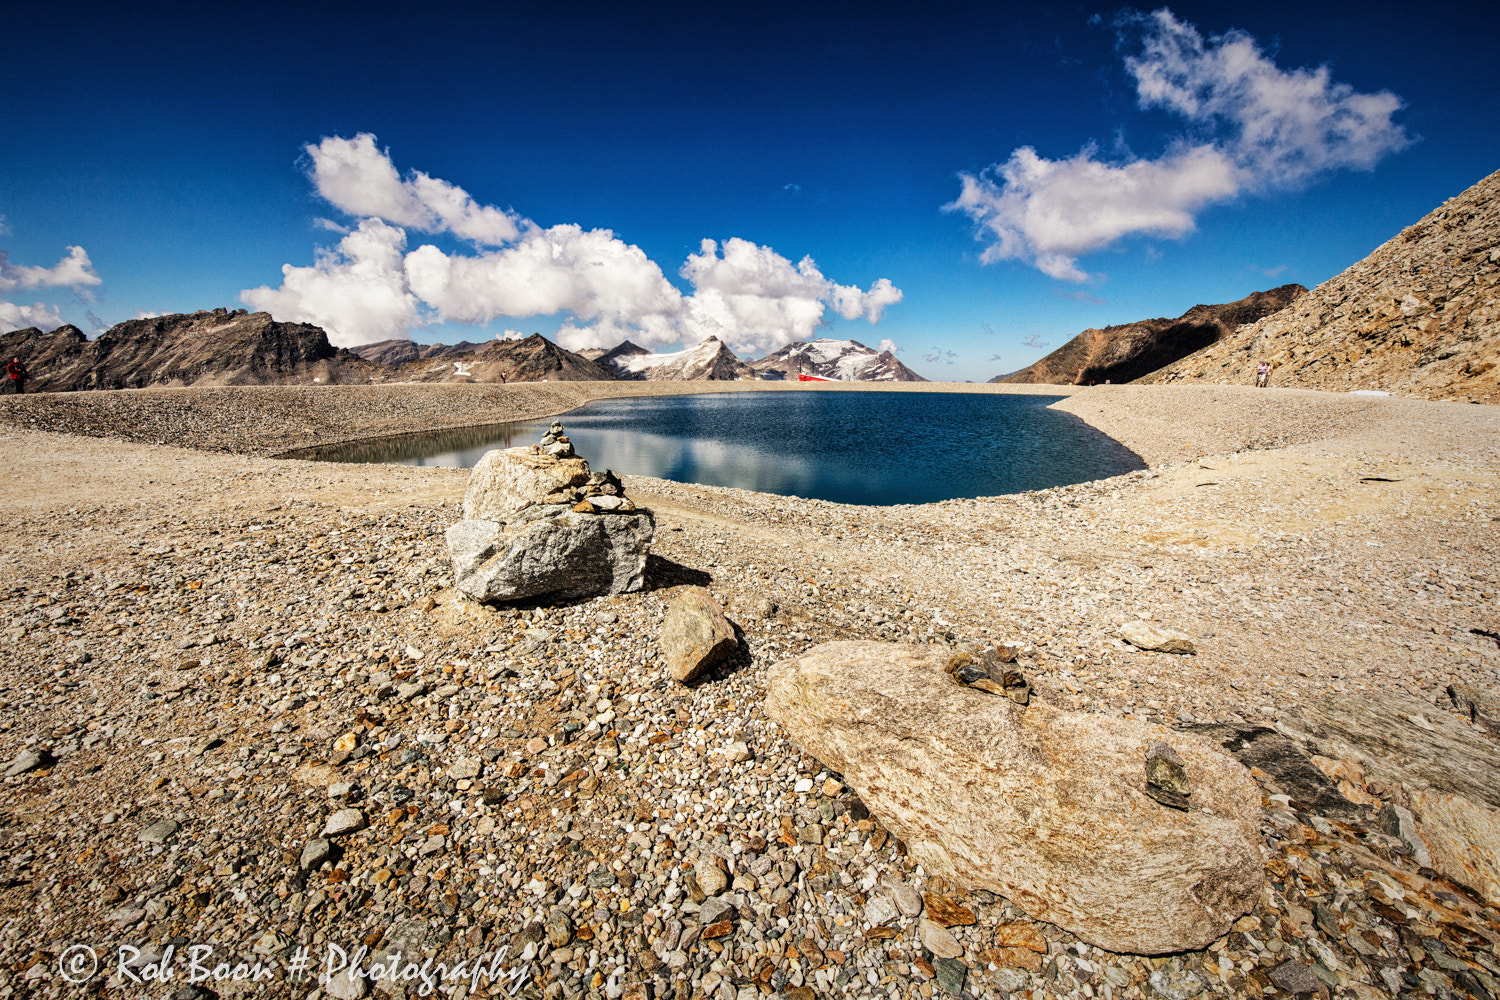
872 448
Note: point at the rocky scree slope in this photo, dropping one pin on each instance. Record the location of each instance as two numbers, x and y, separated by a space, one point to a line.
1131 350
527 780
1418 317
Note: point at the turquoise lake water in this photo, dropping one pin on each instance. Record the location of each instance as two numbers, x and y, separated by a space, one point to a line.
877 448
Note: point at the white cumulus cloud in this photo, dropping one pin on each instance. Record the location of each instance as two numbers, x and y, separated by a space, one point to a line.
19 317
369 288
590 275
1282 126
754 299
890 345
357 292
360 179
73 271
1267 128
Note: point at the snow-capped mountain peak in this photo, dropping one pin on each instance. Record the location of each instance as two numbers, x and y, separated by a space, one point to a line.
710 360
843 360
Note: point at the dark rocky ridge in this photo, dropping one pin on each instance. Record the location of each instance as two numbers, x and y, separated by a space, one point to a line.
534 359
221 347
709 361
388 352
1132 350
624 349
216 347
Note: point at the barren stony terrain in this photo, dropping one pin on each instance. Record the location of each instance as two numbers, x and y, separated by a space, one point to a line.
216 656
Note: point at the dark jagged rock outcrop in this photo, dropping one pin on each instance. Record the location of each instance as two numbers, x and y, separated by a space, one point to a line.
390 352
223 347
534 359
1132 350
216 347
624 349
842 360
44 352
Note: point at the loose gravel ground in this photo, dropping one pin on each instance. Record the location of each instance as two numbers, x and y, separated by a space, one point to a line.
214 655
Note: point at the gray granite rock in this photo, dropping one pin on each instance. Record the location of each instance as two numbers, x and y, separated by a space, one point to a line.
27 761
159 832
314 853
344 821
561 553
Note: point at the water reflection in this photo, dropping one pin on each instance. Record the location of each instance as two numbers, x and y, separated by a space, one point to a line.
865 448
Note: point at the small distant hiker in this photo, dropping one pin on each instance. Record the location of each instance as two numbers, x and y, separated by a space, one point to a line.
17 372
1263 374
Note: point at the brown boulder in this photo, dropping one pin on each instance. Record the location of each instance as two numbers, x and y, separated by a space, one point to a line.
1046 807
696 635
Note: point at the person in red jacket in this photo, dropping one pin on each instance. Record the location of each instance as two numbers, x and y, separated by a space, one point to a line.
17 372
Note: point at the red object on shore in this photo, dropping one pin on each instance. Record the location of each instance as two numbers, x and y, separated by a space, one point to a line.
814 378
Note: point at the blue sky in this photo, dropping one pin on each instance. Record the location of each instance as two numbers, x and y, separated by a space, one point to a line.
983 182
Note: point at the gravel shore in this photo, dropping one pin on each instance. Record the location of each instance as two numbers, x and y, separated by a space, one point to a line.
214 655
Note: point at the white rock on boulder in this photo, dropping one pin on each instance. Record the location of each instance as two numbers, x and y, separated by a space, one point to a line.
1046 807
344 821
505 482
1161 640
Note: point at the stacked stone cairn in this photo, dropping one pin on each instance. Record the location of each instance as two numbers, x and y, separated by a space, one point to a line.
992 669
539 523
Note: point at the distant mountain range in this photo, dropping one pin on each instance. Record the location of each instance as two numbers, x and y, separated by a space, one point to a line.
389 352
1420 316
223 347
842 360
710 360
1131 350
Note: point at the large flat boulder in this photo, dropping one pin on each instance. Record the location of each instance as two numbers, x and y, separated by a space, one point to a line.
554 551
1046 807
1400 740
